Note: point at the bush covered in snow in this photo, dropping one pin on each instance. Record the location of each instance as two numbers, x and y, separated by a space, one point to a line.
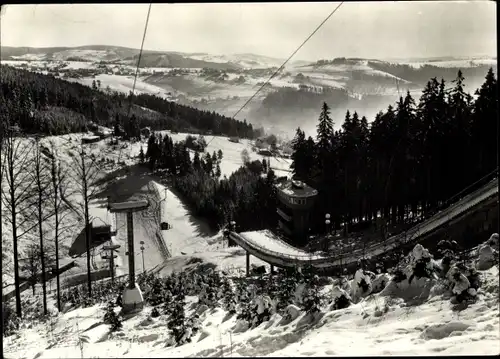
493 241
341 299
181 330
256 311
111 318
155 313
461 287
102 292
461 276
228 296
10 321
362 284
380 282
421 264
487 257
311 299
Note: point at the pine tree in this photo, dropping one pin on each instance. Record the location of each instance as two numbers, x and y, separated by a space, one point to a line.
177 322
264 165
460 120
324 137
229 298
484 126
286 291
208 164
196 161
215 160
312 300
111 318
141 156
217 170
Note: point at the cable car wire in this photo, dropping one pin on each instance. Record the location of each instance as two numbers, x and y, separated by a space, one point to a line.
137 70
281 68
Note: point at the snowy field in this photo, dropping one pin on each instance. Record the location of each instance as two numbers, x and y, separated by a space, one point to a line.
231 159
454 63
124 84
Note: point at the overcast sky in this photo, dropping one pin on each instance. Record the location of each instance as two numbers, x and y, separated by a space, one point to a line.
364 29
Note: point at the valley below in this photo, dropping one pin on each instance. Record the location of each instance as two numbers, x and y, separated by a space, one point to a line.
224 83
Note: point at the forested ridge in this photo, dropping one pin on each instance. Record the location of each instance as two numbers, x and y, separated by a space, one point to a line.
44 104
410 159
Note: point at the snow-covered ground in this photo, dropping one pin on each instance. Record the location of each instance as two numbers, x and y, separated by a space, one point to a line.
123 84
432 328
231 159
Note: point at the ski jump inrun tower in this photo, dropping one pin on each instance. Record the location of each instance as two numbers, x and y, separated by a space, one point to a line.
132 299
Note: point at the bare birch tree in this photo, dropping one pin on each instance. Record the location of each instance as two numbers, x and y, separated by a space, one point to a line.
3 123
86 173
16 158
59 194
40 176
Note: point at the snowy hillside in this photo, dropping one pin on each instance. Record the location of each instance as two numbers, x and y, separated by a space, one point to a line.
366 315
232 159
247 61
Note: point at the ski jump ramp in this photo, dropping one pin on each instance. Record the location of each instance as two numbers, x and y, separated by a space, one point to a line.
273 250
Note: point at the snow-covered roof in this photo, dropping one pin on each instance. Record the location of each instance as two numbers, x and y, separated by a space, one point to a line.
296 188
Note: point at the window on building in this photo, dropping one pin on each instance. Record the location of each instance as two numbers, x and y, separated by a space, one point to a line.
299 201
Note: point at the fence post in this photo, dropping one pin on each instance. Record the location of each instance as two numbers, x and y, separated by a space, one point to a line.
248 263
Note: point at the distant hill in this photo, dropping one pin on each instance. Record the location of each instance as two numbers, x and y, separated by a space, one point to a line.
224 82
109 54
176 61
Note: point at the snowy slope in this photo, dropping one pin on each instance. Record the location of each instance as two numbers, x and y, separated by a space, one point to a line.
248 61
231 159
431 328
123 84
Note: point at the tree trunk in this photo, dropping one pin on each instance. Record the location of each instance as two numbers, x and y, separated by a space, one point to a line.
56 238
13 209
42 253
87 224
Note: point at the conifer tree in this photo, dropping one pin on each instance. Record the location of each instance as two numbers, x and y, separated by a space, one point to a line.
484 126
324 137
141 156
299 155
